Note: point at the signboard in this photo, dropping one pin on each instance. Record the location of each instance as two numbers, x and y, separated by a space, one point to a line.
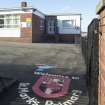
46 87
26 23
53 91
51 86
23 24
29 20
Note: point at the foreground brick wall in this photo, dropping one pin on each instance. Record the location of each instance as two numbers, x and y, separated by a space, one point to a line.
102 58
92 64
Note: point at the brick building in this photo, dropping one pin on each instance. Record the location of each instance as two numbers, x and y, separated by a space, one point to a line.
27 24
64 27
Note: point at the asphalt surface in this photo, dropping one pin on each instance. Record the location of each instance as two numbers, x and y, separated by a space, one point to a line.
17 61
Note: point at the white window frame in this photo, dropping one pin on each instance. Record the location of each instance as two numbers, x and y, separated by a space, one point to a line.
41 24
67 27
11 23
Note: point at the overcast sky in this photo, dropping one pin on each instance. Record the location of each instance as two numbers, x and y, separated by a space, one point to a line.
86 7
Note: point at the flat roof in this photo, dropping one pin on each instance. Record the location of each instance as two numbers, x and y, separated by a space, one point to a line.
34 9
20 8
63 14
9 9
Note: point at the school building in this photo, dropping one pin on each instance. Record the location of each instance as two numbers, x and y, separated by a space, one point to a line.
27 24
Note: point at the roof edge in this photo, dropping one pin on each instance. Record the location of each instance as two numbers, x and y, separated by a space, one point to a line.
8 9
63 14
100 6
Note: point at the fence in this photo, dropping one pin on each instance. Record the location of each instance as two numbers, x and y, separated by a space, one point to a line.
90 49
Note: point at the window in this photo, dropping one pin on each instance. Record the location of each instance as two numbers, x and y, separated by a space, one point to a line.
67 23
9 21
1 21
41 24
50 29
51 23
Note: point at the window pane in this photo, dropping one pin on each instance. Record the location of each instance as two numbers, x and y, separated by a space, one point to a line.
67 23
1 23
9 21
41 24
1 16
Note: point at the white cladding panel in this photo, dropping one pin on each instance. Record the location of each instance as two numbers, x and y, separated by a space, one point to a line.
74 29
38 13
12 32
15 12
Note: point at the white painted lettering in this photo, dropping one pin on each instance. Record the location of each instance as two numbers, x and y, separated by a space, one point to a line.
49 103
32 101
23 90
74 98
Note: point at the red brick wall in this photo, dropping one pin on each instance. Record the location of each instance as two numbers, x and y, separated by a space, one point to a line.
102 59
64 38
37 33
25 31
77 39
70 38
67 38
